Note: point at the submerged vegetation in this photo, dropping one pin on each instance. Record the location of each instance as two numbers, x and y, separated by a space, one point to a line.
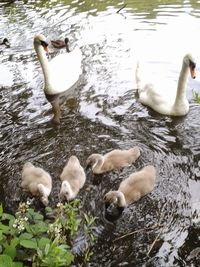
30 239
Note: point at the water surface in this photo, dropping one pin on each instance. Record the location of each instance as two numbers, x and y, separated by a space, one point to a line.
160 229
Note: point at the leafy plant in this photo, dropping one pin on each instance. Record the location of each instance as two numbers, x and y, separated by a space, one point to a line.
196 97
27 237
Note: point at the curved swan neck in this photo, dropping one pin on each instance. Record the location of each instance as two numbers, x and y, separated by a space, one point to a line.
121 201
43 190
182 82
41 54
66 188
98 164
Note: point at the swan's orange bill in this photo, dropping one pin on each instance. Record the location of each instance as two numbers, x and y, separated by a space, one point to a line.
193 72
46 49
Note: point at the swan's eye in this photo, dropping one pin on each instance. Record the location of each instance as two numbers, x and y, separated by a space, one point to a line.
192 65
44 44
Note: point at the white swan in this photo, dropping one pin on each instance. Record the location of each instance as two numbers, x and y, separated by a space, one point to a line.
131 189
115 159
171 101
73 178
60 74
36 181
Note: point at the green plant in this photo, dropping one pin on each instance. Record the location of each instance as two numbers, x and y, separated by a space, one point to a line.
26 238
196 97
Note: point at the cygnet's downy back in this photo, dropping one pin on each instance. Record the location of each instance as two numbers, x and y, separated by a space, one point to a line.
130 190
36 181
113 160
73 178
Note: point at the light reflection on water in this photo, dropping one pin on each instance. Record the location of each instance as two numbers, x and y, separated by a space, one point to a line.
106 115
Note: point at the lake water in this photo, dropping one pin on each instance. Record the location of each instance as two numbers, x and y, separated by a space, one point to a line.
162 228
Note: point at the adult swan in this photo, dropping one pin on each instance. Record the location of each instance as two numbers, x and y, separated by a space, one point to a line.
167 102
60 74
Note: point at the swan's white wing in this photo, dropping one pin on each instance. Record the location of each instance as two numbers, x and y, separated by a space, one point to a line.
65 70
159 92
155 86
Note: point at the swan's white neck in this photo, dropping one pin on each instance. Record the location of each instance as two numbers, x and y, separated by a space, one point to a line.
180 95
41 54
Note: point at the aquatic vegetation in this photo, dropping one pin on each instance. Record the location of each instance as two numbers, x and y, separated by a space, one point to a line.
196 96
30 238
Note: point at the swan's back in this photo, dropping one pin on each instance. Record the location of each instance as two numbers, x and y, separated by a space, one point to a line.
141 182
120 158
155 85
65 70
165 95
73 172
32 176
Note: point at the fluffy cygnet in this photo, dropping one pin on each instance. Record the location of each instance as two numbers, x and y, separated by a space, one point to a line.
36 181
73 178
130 190
113 160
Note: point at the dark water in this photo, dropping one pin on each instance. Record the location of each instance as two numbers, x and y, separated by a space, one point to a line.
160 229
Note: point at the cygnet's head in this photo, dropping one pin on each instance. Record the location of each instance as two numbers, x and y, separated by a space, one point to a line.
27 165
92 160
112 210
74 160
66 193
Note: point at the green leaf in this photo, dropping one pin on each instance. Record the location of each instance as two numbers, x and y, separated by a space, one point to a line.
10 250
43 242
48 209
11 222
69 258
25 236
1 235
31 212
6 261
39 228
5 228
46 249
38 217
28 228
17 264
196 96
1 210
15 241
39 253
7 216
32 243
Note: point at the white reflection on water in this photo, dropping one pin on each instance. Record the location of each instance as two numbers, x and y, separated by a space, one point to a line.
195 200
